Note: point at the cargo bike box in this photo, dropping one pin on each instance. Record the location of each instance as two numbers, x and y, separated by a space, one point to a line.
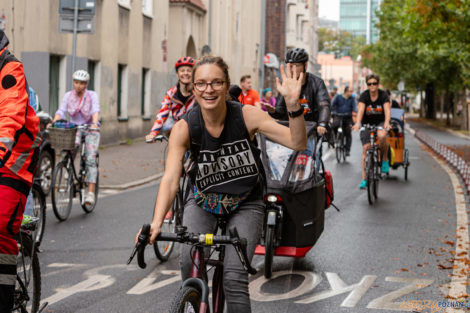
295 199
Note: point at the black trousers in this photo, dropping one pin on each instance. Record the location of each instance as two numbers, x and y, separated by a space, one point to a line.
347 121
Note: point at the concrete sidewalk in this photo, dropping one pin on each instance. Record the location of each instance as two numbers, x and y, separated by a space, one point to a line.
129 165
457 142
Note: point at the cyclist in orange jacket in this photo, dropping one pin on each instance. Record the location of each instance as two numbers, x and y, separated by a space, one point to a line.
18 157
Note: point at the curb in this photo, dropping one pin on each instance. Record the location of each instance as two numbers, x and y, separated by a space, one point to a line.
134 183
454 161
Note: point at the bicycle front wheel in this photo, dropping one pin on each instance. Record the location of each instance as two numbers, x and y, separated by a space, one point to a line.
370 179
163 249
269 251
39 210
187 299
28 278
62 191
339 148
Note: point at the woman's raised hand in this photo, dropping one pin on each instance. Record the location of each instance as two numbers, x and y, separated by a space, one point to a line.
290 86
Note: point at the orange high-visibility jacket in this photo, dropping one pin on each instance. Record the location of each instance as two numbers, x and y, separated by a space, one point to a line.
19 125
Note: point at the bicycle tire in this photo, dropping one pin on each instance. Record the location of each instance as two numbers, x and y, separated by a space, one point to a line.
376 178
62 207
184 297
33 287
163 249
344 148
370 178
39 210
45 170
338 147
269 251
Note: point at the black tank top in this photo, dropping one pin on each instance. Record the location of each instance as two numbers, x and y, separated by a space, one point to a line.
226 169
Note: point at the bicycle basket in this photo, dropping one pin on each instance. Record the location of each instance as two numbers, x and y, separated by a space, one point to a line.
62 138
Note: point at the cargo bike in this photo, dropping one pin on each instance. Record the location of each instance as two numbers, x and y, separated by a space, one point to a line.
398 154
296 197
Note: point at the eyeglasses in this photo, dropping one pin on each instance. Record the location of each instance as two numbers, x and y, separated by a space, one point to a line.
372 84
215 85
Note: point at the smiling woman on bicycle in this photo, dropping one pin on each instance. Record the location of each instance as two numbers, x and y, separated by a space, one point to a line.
373 109
227 177
178 100
83 107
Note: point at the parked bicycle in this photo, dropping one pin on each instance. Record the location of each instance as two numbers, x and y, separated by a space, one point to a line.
373 164
66 183
340 138
28 277
193 296
173 218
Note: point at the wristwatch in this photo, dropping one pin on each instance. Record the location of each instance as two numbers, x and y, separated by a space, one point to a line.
296 113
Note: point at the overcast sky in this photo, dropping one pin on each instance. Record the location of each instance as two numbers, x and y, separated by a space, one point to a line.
329 9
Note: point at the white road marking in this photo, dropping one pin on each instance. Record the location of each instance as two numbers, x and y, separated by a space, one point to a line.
311 280
459 279
65 265
386 302
94 281
148 283
339 287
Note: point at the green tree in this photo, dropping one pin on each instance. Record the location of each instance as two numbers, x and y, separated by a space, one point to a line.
424 43
342 42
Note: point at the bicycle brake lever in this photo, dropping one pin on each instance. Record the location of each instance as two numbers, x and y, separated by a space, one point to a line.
139 248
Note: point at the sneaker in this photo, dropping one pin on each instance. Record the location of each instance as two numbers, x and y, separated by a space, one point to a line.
363 184
385 166
90 199
348 153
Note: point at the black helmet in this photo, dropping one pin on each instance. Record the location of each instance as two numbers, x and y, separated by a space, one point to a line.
296 55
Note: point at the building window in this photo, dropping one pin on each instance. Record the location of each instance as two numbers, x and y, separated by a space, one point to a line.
54 66
147 8
125 3
91 71
145 97
57 81
122 90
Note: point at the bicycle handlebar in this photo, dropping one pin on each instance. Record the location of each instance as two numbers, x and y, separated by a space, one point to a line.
234 239
157 138
371 127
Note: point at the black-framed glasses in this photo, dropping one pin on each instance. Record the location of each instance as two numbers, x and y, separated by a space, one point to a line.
215 85
372 84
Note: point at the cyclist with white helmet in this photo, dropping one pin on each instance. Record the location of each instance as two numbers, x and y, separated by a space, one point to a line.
82 107
178 99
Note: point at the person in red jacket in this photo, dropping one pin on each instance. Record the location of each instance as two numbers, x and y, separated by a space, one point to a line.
19 141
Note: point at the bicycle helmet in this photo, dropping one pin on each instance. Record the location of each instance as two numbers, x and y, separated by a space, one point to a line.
81 75
188 61
296 55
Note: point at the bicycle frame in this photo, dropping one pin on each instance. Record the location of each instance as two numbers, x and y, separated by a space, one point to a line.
70 155
199 278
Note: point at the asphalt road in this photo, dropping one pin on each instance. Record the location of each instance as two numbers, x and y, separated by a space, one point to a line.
368 259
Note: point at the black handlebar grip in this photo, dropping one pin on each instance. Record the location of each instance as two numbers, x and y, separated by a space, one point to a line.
142 242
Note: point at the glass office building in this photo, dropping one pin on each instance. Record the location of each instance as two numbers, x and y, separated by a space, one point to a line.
358 17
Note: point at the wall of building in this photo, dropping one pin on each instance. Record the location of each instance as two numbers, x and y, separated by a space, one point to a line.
122 35
355 17
129 39
236 33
